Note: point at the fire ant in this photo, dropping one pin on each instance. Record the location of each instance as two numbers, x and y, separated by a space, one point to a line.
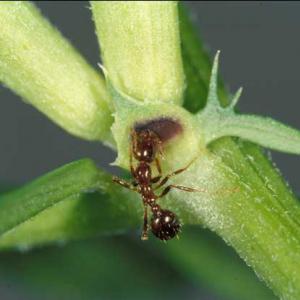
145 147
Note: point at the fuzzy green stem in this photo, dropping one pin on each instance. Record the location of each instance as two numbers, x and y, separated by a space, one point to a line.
239 206
261 220
200 255
38 64
140 47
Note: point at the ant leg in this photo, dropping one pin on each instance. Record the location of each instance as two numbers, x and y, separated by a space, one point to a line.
130 160
123 183
160 149
157 178
165 179
158 166
144 236
179 187
157 162
132 170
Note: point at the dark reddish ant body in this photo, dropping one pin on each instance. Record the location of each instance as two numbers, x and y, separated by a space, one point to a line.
145 147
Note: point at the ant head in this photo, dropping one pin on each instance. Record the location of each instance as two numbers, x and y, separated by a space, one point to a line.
145 144
165 225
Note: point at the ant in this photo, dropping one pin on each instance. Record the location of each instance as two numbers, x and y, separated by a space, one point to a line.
145 146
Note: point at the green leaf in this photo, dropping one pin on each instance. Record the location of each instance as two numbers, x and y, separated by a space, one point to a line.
41 66
63 205
24 203
217 122
260 130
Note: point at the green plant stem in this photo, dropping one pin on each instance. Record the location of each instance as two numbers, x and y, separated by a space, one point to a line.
264 228
206 260
140 46
41 66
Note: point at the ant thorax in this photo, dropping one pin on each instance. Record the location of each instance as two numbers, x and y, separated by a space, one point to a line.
143 174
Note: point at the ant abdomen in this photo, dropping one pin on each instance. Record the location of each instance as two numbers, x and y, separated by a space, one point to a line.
165 225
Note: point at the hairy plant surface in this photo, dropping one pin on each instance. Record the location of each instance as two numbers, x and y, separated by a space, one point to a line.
148 75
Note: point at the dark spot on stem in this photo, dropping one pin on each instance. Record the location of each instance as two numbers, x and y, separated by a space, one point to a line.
165 128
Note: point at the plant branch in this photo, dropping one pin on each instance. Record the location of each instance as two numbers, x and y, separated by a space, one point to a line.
140 46
217 122
265 230
41 66
204 258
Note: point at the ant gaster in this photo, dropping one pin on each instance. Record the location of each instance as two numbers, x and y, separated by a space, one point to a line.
145 147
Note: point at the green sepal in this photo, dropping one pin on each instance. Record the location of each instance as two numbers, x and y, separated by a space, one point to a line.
129 111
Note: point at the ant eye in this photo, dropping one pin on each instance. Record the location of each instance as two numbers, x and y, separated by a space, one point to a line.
165 225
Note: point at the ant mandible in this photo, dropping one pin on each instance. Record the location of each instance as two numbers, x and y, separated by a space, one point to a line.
145 147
